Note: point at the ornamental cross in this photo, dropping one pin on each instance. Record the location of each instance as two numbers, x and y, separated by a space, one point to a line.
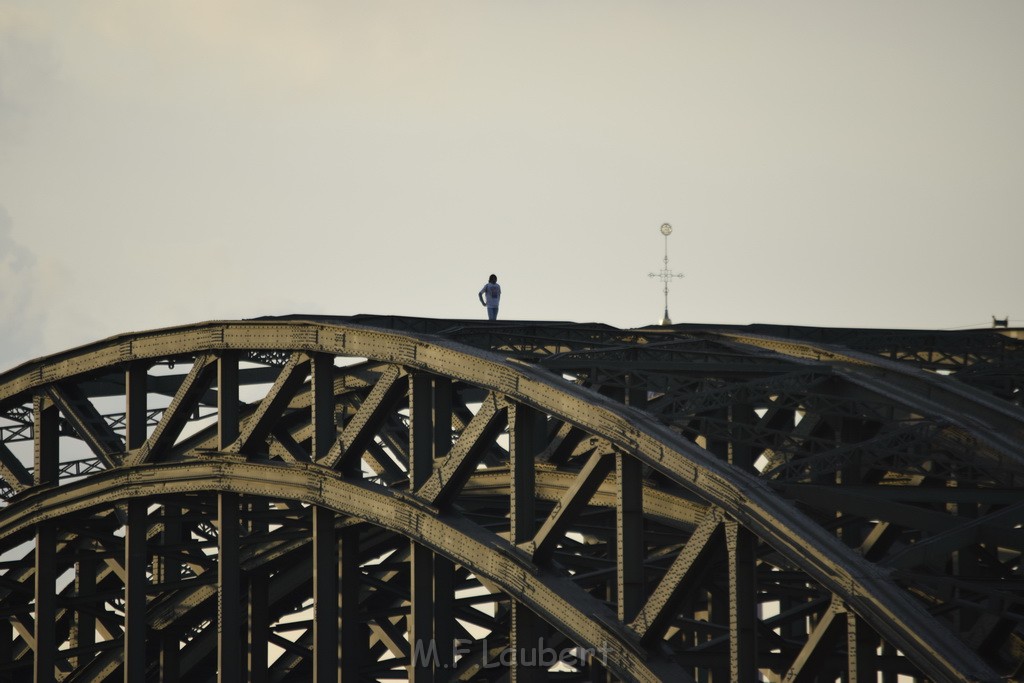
666 273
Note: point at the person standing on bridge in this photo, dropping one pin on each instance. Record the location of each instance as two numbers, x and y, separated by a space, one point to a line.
490 296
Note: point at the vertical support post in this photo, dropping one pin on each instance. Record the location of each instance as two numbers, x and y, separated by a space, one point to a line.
229 623
742 419
716 609
741 545
629 535
636 392
45 472
860 648
354 638
257 632
168 570
45 656
612 589
444 569
716 431
47 441
227 399
135 389
444 611
526 440
442 416
135 592
783 421
853 430
325 597
84 630
322 404
6 650
629 527
421 429
422 645
888 676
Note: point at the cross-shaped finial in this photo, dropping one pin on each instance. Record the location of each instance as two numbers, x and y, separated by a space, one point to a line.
666 273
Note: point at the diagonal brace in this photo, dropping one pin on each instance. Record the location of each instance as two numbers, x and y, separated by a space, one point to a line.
261 423
819 645
653 619
196 383
449 478
12 471
357 435
88 424
572 502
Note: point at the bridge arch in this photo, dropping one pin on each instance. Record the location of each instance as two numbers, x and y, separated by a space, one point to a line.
402 432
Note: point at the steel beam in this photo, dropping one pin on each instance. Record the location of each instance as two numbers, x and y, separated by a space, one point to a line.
743 665
198 380
346 453
809 660
83 633
12 471
168 570
325 597
257 629
136 380
654 617
454 470
135 563
45 616
550 534
324 432
47 454
353 631
629 536
229 625
88 424
259 425
526 440
228 414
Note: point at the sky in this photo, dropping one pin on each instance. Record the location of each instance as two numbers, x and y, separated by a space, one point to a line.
821 162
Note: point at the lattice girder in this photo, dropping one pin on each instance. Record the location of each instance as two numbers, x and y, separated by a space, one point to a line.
410 465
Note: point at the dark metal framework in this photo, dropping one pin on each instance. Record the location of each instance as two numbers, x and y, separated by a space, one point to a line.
385 498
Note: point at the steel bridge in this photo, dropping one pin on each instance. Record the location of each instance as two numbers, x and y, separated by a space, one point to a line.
382 498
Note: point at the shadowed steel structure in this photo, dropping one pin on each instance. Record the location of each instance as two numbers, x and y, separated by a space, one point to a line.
384 498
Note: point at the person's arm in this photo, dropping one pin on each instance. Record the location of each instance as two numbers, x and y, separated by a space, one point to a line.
481 295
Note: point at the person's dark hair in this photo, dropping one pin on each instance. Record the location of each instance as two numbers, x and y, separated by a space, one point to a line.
492 278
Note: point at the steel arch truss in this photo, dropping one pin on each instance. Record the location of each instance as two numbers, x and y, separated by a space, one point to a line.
382 499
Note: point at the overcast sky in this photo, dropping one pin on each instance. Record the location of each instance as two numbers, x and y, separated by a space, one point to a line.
822 163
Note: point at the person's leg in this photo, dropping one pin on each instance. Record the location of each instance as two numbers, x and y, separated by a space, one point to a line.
492 313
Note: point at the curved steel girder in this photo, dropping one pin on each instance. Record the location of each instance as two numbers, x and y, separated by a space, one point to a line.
559 601
989 421
551 485
864 587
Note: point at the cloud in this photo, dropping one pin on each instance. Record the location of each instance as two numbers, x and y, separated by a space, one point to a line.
28 68
21 315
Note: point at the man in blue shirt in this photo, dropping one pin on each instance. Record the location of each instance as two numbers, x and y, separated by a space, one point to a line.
492 292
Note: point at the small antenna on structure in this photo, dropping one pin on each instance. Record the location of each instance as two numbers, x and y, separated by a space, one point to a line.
666 273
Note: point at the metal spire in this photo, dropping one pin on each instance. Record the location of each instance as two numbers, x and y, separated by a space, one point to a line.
666 273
